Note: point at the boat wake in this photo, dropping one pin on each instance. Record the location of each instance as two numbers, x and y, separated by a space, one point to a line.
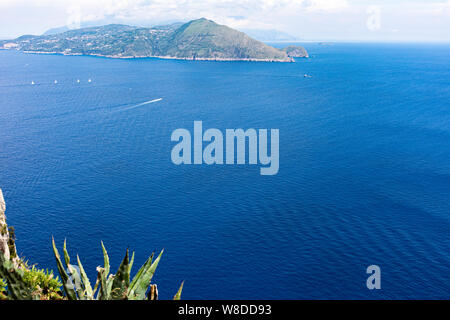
140 104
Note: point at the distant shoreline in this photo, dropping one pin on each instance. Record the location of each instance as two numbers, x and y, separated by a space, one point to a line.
290 60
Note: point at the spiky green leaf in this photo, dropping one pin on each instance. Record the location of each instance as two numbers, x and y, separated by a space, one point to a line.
67 283
74 275
85 280
106 260
141 270
103 291
66 254
142 281
178 294
121 280
130 265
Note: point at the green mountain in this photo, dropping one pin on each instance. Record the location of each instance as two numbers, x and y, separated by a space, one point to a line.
55 31
200 39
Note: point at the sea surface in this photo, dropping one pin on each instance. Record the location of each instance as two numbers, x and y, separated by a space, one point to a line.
364 173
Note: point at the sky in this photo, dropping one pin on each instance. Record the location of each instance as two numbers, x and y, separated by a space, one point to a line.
315 20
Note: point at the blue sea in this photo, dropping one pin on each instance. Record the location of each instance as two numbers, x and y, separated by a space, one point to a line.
364 173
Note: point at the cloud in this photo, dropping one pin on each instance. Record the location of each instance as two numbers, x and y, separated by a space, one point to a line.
170 9
326 5
312 18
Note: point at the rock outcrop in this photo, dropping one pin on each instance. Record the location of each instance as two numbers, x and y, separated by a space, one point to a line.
4 232
7 246
296 52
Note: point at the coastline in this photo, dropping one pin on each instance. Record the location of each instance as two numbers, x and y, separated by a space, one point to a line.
289 60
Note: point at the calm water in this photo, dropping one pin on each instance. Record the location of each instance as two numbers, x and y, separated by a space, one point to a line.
364 170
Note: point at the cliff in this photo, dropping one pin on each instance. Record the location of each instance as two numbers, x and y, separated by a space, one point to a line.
7 246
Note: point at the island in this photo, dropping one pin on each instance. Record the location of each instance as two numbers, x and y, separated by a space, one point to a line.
296 52
200 39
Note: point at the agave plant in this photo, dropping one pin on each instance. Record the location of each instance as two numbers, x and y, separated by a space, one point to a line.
108 286
17 289
3 293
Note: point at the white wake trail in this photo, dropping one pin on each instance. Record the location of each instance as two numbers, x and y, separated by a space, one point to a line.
141 104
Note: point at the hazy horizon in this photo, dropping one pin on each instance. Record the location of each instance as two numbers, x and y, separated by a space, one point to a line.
306 20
